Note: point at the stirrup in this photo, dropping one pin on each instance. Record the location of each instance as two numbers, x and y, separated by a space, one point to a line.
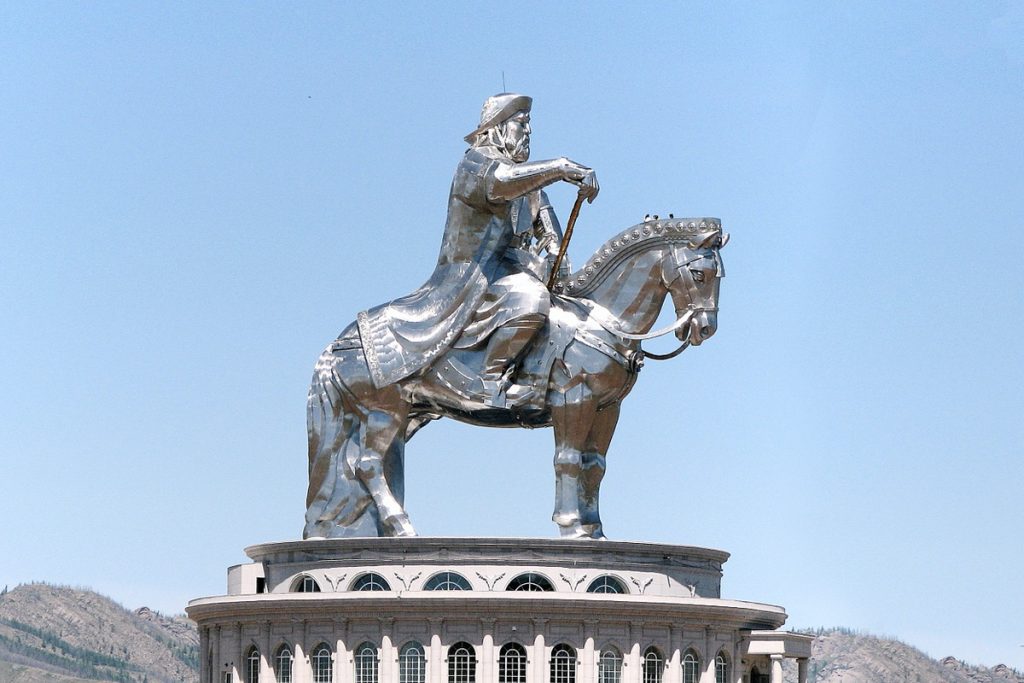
504 393
493 392
518 395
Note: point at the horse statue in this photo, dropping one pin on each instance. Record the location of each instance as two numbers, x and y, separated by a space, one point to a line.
583 363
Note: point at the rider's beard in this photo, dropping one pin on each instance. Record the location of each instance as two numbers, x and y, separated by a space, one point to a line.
516 150
521 151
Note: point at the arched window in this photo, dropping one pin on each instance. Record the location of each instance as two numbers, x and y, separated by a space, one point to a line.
252 666
283 665
461 663
563 664
721 668
370 582
529 582
412 665
366 663
447 581
654 666
512 664
691 667
305 584
609 667
606 584
321 660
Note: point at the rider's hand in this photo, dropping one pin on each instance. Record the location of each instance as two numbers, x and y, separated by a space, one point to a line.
589 186
582 176
564 268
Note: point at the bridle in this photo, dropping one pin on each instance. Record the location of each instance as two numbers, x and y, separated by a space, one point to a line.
684 317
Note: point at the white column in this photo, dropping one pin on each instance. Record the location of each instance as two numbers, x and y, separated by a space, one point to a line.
385 659
539 659
776 669
338 665
240 658
265 672
633 671
218 666
540 655
708 674
301 672
435 663
495 656
204 650
388 670
588 671
737 659
674 674
487 658
342 665
801 670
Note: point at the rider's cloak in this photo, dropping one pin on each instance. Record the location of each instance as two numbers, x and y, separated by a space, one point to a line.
407 334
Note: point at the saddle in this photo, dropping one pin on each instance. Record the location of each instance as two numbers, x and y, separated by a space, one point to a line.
452 382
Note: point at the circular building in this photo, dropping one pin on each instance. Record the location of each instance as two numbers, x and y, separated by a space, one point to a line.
487 610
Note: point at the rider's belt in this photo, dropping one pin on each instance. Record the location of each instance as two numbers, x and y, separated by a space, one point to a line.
528 262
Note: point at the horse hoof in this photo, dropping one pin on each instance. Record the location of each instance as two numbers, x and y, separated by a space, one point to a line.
400 526
566 520
574 531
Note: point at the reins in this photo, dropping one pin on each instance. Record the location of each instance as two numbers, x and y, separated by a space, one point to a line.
611 326
680 322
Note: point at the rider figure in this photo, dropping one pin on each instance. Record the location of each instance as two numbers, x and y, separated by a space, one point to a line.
489 280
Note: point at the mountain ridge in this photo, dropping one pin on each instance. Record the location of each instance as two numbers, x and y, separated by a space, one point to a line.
61 633
844 655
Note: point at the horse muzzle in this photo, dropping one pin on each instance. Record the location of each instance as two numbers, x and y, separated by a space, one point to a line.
702 326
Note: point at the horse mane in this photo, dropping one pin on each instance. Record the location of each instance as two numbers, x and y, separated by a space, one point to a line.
633 240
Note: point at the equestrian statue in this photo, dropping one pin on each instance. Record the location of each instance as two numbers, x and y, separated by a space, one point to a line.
503 335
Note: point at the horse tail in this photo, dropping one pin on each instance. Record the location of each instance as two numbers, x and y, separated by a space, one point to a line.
335 497
324 413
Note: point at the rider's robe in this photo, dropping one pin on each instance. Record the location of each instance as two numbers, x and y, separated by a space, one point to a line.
407 334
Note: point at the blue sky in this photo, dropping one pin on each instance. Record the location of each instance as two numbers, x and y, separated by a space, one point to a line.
197 197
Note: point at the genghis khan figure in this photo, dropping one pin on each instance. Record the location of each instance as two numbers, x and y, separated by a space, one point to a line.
489 283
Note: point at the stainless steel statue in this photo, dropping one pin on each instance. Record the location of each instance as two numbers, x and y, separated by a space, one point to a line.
484 341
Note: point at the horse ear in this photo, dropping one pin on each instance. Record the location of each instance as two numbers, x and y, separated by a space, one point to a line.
703 240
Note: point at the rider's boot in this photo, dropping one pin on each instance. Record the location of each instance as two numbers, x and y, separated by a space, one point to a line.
506 345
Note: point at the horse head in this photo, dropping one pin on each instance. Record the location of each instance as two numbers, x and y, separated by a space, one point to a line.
694 277
623 277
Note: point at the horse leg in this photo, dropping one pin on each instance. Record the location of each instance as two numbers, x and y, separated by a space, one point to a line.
382 431
572 415
356 451
593 467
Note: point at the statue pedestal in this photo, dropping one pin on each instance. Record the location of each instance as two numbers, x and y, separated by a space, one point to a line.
486 610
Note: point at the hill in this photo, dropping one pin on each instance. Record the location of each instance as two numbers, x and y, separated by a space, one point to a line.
59 634
851 657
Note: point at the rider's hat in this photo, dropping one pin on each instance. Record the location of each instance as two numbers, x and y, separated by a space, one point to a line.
499 108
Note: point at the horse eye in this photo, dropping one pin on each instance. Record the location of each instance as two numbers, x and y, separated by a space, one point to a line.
698 275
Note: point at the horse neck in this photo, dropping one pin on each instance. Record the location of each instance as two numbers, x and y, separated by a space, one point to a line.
633 290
